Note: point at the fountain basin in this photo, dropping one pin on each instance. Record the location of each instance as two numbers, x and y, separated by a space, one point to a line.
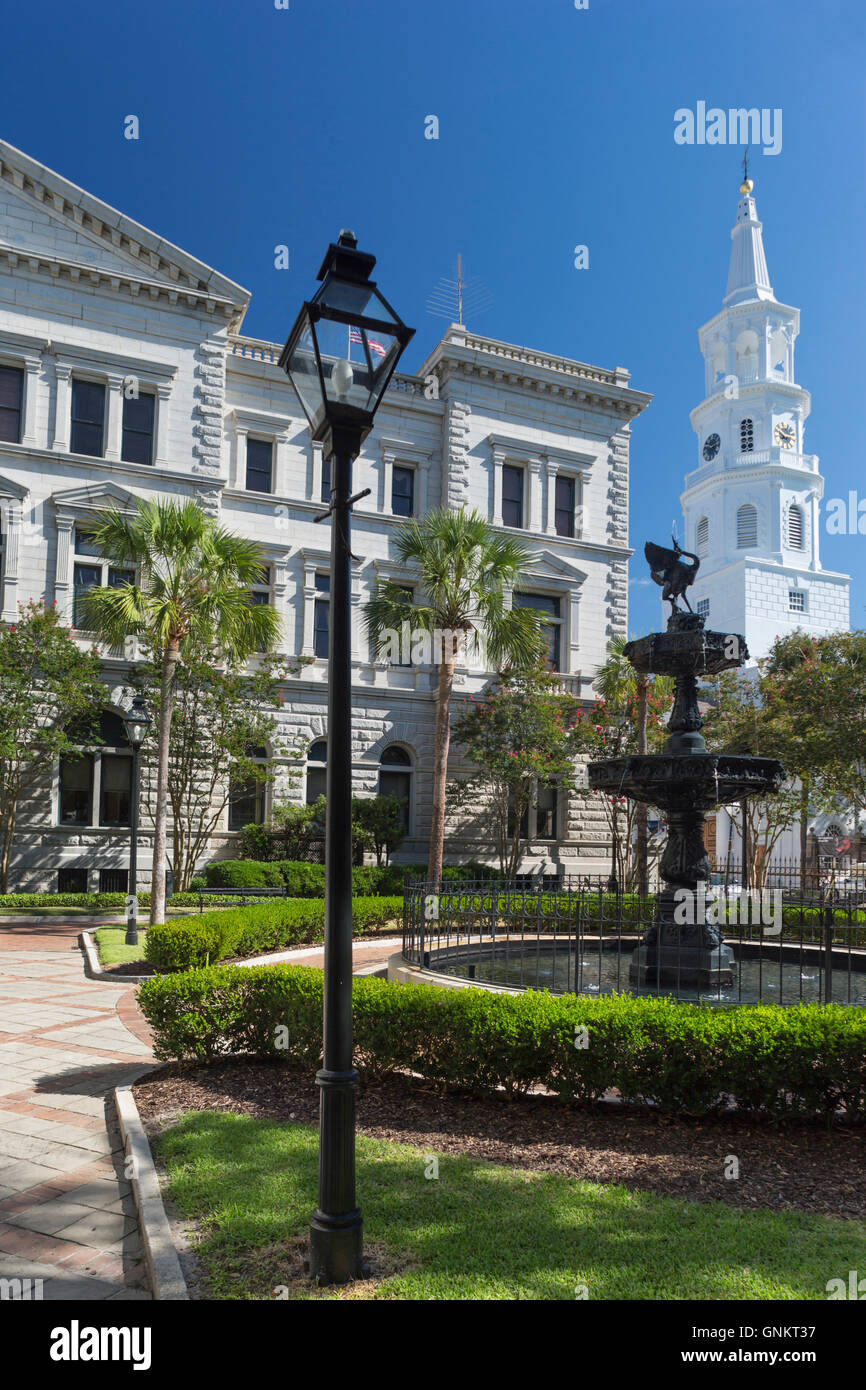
696 779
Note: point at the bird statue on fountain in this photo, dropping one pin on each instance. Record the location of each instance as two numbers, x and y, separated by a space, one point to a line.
671 572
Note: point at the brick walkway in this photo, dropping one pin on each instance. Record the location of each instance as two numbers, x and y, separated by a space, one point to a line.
67 1216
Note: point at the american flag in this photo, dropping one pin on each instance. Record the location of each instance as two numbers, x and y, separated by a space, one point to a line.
355 337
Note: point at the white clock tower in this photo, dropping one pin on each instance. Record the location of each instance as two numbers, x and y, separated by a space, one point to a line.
751 506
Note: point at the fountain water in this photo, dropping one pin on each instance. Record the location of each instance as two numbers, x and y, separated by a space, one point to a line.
685 781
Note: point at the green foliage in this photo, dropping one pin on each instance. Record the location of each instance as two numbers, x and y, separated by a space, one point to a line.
242 873
522 734
249 931
255 842
380 820
50 695
802 1062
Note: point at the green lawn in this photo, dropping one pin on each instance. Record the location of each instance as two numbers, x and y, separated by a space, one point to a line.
112 947
485 1232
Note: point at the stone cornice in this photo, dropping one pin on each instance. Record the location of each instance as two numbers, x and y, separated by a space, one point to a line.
104 225
469 354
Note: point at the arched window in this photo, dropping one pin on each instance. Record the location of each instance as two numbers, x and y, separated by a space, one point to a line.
747 436
317 770
702 536
395 779
795 528
747 526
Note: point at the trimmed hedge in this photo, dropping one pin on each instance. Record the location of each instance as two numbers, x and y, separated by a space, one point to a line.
100 901
248 931
802 1062
305 880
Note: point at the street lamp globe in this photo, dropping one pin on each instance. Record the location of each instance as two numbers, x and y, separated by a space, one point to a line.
137 721
344 346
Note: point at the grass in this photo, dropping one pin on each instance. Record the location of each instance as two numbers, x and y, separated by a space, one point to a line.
112 947
481 1231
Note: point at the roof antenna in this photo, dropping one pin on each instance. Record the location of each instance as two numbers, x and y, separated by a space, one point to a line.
458 296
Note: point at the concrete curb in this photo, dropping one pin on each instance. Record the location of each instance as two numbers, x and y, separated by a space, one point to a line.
166 1276
94 971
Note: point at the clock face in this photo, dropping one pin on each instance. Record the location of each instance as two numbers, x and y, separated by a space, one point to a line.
785 435
711 447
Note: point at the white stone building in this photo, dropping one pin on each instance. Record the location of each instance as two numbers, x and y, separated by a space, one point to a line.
90 299
751 507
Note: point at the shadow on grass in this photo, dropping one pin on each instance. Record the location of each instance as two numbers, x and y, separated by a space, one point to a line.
480 1231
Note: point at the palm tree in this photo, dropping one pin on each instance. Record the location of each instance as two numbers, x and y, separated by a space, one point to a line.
466 569
192 589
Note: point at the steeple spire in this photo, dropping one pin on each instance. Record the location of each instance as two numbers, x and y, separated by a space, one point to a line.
748 277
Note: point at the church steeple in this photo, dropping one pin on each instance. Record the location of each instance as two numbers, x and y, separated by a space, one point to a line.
752 504
748 277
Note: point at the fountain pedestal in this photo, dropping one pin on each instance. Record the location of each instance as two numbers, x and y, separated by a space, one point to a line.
682 949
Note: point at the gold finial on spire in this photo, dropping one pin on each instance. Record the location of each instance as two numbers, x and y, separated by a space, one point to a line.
747 185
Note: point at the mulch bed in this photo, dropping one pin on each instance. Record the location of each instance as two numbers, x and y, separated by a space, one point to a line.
797 1167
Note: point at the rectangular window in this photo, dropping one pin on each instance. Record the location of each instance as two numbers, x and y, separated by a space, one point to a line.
703 608
512 496
403 492
546 812
85 577
114 880
88 418
260 457
246 803
326 480
564 512
72 880
138 417
115 790
407 653
11 393
260 596
321 624
796 601
76 784
546 604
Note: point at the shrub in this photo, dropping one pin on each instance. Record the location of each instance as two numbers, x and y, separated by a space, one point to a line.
242 873
247 931
805 1061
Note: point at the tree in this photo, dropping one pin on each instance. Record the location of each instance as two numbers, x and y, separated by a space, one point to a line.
192 590
524 732
632 706
220 716
382 819
743 720
466 570
50 695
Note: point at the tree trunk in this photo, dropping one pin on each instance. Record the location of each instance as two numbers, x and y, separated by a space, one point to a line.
642 813
157 886
440 773
804 828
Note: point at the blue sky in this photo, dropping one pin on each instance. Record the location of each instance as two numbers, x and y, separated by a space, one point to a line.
261 127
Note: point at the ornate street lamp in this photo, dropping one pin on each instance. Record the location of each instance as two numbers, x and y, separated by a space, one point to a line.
340 355
137 721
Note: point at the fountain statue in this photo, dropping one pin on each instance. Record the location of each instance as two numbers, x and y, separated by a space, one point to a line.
685 781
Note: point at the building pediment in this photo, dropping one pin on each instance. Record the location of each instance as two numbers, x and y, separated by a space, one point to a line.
58 229
95 497
545 565
10 491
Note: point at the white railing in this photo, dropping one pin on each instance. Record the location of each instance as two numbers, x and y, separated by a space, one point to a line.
541 359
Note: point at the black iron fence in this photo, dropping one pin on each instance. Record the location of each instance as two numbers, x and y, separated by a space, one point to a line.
792 942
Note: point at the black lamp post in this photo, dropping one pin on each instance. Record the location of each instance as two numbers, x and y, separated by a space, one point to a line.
339 357
137 721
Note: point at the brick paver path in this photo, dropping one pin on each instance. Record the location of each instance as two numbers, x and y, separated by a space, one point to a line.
67 1215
